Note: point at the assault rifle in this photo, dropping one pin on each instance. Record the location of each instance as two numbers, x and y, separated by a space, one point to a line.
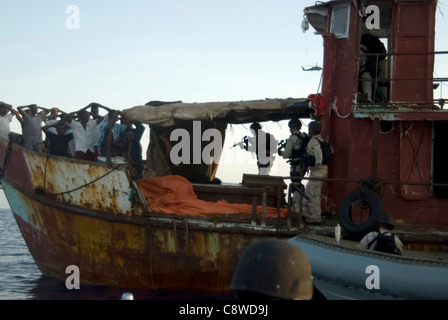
281 146
244 142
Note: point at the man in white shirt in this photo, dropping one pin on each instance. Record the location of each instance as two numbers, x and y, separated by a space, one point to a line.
6 119
83 131
94 112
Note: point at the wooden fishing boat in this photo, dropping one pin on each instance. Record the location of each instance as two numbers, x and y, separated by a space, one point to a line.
95 216
387 158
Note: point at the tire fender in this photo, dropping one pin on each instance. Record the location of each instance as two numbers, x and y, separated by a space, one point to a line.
375 203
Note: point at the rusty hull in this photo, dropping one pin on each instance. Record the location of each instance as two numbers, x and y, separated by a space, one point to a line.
73 212
79 183
131 252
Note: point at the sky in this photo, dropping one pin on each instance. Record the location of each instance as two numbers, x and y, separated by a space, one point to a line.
126 53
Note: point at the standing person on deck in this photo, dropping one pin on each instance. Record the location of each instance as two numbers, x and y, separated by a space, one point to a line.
261 146
83 130
32 125
136 150
59 141
315 162
6 114
50 124
94 112
294 151
115 138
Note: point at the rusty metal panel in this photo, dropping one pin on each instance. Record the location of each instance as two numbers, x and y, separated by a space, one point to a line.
412 40
415 159
15 165
85 184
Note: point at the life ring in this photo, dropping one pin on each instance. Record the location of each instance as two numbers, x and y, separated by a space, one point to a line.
372 199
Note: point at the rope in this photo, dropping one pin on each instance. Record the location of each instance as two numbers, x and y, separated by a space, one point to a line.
334 107
374 184
87 184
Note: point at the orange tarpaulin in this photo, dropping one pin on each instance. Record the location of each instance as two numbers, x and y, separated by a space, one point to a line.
174 194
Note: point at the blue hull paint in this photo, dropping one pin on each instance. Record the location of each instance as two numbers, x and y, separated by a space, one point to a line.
15 201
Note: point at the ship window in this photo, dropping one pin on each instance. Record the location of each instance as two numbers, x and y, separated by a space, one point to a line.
375 38
340 18
386 126
439 160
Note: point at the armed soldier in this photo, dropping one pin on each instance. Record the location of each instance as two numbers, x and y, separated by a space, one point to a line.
262 144
318 156
294 150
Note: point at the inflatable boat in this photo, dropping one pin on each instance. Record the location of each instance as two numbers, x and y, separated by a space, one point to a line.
343 271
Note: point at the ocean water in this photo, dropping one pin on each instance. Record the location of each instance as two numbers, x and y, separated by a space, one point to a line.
18 273
21 279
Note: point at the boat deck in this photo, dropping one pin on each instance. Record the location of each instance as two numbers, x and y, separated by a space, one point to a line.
252 190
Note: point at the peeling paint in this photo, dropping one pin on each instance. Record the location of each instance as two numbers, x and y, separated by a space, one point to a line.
87 185
114 248
120 253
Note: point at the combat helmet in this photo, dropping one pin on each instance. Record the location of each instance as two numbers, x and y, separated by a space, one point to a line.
273 268
255 126
315 126
295 123
386 221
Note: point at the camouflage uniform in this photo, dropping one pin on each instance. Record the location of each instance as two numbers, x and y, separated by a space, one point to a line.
297 168
312 208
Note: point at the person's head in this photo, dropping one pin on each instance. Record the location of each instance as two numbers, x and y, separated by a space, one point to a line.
94 111
65 117
84 116
314 128
112 116
54 112
255 127
33 109
273 269
61 129
386 222
3 109
294 125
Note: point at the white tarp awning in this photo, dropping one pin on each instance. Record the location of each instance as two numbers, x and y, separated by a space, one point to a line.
231 111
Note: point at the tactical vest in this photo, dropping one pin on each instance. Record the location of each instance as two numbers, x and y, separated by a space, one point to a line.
326 151
298 153
384 243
